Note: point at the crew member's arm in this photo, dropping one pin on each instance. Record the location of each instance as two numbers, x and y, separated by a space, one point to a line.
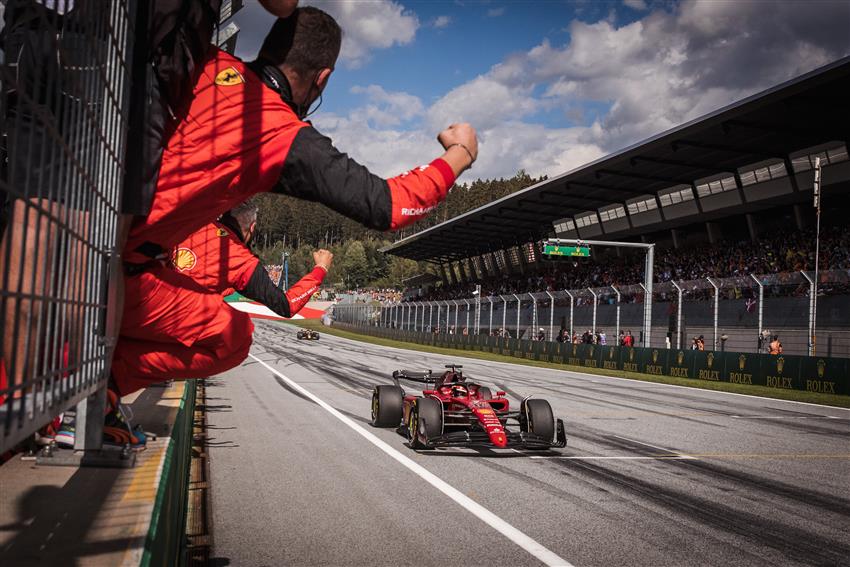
261 288
315 170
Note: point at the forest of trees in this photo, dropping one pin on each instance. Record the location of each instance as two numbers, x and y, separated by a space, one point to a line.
286 224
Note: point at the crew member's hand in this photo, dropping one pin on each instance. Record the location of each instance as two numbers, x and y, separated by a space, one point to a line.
461 145
323 258
280 8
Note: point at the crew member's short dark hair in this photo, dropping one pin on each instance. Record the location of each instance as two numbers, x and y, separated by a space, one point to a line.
306 41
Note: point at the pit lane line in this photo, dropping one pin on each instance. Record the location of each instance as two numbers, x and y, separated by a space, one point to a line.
534 548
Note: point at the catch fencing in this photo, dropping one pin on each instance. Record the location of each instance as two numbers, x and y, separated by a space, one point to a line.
737 314
64 108
782 372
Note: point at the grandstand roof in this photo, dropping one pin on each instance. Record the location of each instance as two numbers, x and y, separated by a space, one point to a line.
806 111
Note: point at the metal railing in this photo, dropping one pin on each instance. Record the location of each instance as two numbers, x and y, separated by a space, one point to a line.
64 109
735 314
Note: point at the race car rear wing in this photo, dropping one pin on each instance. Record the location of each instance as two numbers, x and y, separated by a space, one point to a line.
425 377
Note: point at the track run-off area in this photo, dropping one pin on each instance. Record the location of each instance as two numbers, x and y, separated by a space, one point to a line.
651 475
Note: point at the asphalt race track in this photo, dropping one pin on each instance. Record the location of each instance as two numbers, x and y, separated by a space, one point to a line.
652 474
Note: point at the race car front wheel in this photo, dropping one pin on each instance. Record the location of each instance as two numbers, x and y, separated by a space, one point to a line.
430 411
537 418
387 406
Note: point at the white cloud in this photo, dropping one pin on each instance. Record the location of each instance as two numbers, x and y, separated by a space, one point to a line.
377 24
441 22
387 108
638 5
496 12
620 84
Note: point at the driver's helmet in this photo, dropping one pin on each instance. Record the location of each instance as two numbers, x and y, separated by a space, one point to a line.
459 390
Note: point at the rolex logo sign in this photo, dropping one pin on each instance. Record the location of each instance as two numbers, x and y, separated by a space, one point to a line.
821 367
654 356
780 364
742 362
710 359
680 357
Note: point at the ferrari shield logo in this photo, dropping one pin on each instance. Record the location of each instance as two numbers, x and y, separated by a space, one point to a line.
821 367
220 232
710 359
229 77
742 362
780 364
184 259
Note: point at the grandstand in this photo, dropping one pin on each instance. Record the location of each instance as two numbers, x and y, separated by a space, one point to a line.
728 195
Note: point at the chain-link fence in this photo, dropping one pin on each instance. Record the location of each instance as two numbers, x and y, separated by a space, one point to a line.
64 111
740 314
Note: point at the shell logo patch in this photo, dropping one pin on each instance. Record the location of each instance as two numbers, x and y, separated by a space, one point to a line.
229 77
184 259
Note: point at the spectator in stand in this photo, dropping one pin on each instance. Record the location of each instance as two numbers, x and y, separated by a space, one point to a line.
695 344
629 340
563 336
603 340
541 334
621 338
701 343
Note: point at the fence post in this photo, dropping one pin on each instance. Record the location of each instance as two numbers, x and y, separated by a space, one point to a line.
518 305
551 316
678 316
504 313
534 320
760 308
490 330
617 328
812 322
716 307
646 294
467 314
572 304
457 312
593 293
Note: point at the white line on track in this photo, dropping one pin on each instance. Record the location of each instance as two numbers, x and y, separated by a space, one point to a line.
665 449
784 417
519 538
619 458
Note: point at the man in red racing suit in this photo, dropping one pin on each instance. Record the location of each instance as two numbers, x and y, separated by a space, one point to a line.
245 134
218 259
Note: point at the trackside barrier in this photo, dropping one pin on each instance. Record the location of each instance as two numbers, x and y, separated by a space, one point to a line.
785 372
165 543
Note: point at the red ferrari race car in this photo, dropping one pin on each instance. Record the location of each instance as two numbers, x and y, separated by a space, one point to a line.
452 412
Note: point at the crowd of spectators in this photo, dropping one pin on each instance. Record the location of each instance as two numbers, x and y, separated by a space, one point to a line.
779 253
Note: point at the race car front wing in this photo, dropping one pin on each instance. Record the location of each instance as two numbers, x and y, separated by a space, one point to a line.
516 439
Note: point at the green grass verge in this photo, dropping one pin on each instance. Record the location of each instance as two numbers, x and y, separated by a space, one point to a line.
762 391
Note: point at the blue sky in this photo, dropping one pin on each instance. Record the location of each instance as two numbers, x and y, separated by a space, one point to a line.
550 85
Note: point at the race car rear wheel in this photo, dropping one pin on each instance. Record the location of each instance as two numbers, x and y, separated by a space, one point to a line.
537 418
429 410
484 393
387 406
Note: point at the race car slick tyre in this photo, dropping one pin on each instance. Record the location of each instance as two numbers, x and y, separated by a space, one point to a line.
431 411
538 418
387 406
484 393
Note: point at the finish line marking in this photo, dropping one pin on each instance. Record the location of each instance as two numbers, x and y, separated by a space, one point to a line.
620 458
519 538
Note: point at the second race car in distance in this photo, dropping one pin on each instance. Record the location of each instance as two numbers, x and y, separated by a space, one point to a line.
452 412
308 334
